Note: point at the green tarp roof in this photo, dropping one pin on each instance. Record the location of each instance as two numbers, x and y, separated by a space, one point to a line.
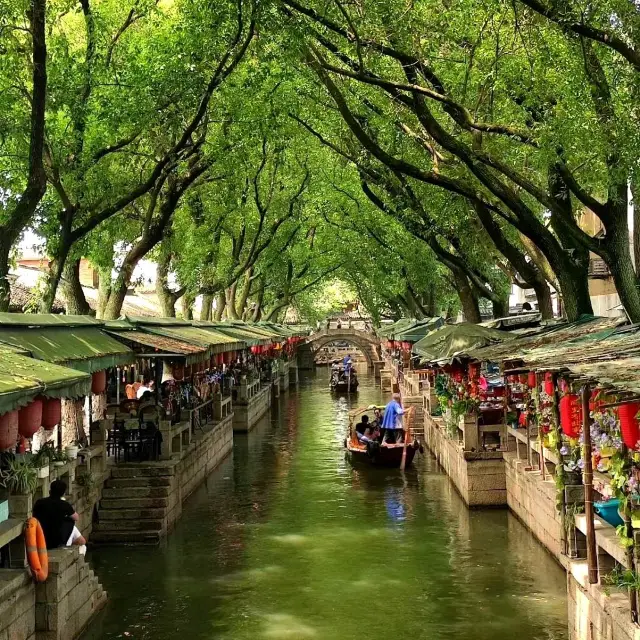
419 330
455 340
47 320
86 348
389 330
22 379
195 341
553 335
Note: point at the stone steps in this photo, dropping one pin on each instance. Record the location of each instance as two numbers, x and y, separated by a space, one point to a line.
126 537
136 492
133 524
134 503
142 481
137 471
131 514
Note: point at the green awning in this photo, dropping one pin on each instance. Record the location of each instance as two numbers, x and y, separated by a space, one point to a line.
46 320
419 330
211 340
457 340
162 346
22 379
84 348
244 333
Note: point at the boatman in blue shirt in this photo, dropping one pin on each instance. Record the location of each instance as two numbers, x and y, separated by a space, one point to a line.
392 421
346 363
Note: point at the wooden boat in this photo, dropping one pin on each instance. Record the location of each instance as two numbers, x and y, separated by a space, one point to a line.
378 454
343 382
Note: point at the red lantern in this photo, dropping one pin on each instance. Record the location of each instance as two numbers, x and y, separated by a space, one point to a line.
629 423
219 359
532 381
548 383
99 381
178 372
30 419
254 350
523 378
406 346
8 430
522 419
570 415
474 370
51 413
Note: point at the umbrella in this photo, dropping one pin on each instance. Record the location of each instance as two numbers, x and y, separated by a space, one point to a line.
456 340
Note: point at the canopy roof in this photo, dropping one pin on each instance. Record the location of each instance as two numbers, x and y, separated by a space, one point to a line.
457 340
390 329
510 323
47 320
156 345
552 336
22 379
248 335
419 330
180 338
78 342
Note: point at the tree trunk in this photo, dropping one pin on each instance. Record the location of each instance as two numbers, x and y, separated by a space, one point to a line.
104 290
187 306
20 215
545 302
230 295
207 303
166 297
75 301
244 293
500 307
221 303
621 267
470 308
635 195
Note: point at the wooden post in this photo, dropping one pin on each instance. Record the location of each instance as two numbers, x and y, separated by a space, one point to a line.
592 554
626 517
118 386
559 467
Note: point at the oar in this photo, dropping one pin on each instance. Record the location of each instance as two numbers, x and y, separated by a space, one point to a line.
403 462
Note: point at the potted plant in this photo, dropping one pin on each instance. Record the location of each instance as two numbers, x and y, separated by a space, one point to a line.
72 451
43 458
87 481
20 479
59 458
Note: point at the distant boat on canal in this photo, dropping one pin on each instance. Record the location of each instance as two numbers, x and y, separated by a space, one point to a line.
376 453
343 380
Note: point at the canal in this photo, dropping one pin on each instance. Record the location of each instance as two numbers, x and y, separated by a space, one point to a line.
286 541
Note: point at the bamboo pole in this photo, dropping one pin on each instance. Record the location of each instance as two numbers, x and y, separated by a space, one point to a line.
592 558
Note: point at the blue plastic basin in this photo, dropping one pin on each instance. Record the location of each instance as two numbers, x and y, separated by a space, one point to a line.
608 511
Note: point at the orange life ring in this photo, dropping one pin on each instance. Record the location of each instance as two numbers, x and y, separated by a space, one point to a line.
36 546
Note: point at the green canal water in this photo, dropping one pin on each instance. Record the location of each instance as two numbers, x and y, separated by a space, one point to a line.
286 541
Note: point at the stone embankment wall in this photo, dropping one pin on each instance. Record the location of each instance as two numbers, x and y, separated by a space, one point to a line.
533 500
58 609
479 477
141 502
246 416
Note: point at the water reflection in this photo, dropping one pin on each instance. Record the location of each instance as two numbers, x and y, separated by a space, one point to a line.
287 541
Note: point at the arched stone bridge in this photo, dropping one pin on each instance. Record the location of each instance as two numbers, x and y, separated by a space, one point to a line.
367 343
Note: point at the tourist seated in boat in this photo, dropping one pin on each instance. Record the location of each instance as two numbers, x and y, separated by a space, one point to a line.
392 421
367 431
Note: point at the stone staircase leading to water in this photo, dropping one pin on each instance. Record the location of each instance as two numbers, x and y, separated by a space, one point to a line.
135 504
